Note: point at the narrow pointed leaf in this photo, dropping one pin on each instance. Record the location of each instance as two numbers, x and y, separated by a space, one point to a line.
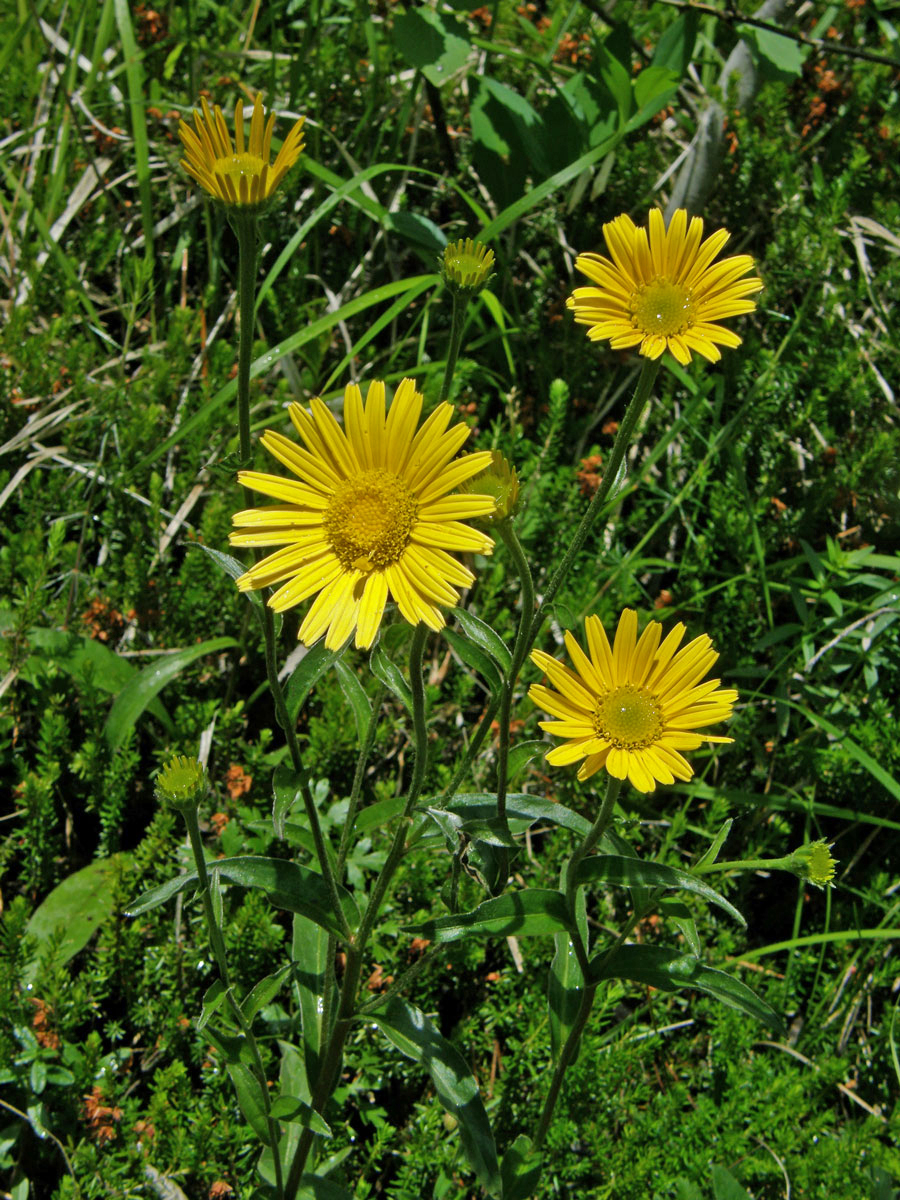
356 697
473 656
482 635
391 677
636 872
310 669
414 1035
529 912
520 1170
309 951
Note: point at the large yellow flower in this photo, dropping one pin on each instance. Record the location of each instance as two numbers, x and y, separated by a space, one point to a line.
632 708
372 515
239 175
661 290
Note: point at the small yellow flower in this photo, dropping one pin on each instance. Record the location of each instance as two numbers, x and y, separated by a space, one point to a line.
239 175
661 290
501 481
466 266
634 707
372 513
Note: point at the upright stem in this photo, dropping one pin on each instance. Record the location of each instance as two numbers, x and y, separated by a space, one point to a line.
625 433
331 1062
613 787
245 228
520 649
217 945
460 303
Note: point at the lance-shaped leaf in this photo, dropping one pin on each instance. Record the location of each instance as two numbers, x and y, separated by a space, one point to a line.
310 669
414 1035
250 1099
285 884
565 982
298 1112
529 912
356 697
309 951
670 970
473 656
480 632
519 807
636 872
391 676
520 1170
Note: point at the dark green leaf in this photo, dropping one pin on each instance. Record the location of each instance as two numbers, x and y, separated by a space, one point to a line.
676 46
356 697
265 991
779 57
670 970
725 1186
520 1170
286 789
527 913
316 1187
482 635
286 885
250 1099
139 693
565 982
520 807
522 753
213 999
636 872
414 1035
298 1112
433 42
229 565
312 666
390 676
473 656
309 952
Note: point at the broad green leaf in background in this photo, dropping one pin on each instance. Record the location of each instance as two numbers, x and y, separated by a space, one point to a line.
779 57
433 42
285 793
526 913
725 1186
317 1187
670 970
519 807
78 906
565 982
636 872
139 693
676 46
85 659
298 1112
286 885
414 1035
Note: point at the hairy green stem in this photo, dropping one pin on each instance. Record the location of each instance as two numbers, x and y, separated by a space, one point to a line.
613 787
624 436
346 1014
245 227
520 649
217 945
460 304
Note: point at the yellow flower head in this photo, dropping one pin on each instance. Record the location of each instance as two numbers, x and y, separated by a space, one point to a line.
634 707
661 290
814 862
372 514
239 175
466 266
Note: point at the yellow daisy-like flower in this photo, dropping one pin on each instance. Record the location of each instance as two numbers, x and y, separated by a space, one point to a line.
634 707
661 291
239 175
372 514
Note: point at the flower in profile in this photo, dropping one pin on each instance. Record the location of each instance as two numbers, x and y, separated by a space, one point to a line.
500 480
634 707
372 514
814 862
240 174
466 266
661 290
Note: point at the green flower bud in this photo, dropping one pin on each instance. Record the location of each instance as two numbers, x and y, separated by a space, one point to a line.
181 783
466 266
500 481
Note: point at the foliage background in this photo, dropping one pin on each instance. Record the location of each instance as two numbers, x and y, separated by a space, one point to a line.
762 507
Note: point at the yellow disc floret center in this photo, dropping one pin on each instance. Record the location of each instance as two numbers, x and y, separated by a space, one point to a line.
662 308
628 717
369 520
239 166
